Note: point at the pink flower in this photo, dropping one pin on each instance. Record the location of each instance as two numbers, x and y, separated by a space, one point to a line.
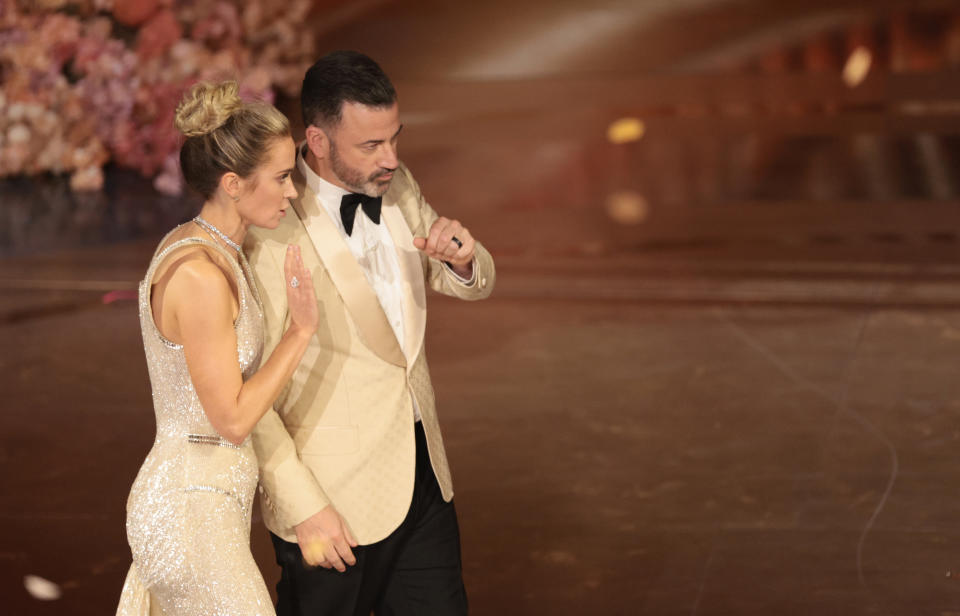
170 180
134 12
158 34
87 179
219 28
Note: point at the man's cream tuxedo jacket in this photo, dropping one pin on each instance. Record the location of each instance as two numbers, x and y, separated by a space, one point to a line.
341 432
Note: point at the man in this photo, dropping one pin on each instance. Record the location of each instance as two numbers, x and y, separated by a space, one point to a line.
354 480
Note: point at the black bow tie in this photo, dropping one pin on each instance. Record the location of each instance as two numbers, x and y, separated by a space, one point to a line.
348 209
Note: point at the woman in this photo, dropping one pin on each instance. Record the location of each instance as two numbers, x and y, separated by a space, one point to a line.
188 514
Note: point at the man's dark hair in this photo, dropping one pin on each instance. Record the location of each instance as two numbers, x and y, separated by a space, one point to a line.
342 77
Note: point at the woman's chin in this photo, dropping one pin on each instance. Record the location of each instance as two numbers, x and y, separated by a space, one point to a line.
273 223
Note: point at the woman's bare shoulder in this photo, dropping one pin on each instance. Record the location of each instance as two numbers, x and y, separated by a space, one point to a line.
198 261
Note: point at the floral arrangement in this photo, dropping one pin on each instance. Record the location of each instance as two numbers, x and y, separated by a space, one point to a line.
83 82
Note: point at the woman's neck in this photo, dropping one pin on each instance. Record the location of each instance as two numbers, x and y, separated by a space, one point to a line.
225 219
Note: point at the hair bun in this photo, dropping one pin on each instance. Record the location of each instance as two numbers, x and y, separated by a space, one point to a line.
206 107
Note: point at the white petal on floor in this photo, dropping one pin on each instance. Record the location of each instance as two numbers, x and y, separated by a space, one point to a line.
40 588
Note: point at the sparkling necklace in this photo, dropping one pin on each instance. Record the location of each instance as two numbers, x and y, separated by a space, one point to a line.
214 231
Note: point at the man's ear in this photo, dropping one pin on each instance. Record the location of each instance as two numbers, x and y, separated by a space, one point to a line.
317 141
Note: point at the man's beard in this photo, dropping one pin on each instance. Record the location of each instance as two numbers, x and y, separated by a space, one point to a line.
354 179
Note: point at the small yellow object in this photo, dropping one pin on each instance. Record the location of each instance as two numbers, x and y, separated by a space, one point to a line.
627 207
626 130
315 550
857 67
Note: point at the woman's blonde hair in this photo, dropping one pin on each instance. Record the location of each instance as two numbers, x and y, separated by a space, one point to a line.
224 133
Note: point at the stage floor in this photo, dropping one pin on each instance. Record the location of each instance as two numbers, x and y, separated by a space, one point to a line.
625 438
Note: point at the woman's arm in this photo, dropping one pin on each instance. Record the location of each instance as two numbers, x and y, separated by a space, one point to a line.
200 298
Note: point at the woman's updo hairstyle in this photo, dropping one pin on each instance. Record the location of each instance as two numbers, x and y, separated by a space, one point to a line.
224 133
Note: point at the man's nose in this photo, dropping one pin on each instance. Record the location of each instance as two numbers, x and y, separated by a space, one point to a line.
389 158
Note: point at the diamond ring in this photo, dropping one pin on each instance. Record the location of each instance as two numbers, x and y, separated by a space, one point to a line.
294 282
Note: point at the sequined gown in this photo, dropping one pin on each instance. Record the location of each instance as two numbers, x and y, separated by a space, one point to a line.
188 513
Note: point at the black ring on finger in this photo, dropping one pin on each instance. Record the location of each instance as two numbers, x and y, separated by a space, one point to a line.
457 241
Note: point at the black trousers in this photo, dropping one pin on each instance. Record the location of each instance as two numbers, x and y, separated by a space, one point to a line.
414 571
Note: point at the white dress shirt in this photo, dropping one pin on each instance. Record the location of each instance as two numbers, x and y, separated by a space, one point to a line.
371 245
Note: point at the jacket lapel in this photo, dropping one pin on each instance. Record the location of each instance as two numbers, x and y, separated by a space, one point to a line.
411 270
358 296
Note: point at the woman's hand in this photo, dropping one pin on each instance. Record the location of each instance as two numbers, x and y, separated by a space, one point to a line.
304 314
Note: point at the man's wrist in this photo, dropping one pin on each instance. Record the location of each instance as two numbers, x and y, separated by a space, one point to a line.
464 274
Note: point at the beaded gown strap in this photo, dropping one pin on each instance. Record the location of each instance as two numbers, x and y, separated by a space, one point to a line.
242 273
214 233
240 270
